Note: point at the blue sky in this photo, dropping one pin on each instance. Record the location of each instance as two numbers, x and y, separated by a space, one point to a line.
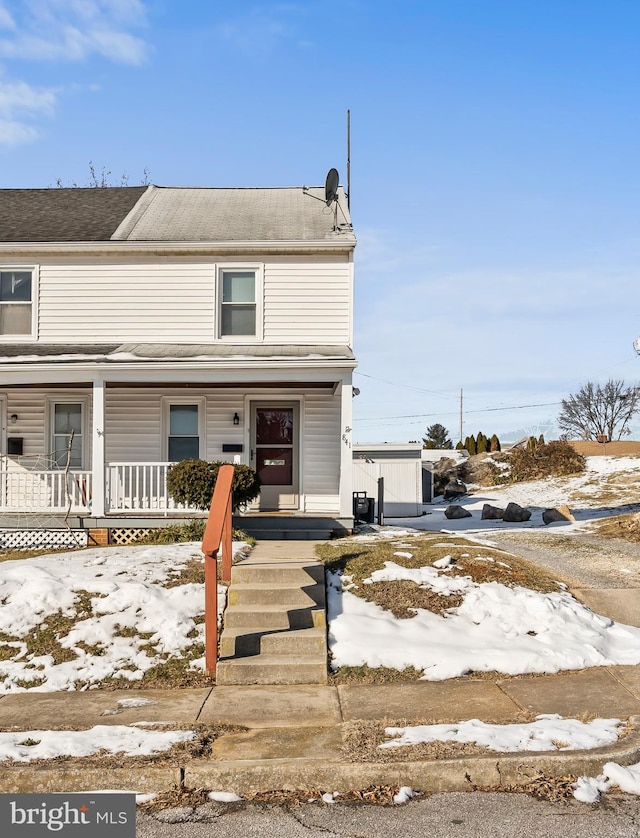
495 178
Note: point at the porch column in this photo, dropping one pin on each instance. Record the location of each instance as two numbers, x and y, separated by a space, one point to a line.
346 454
97 450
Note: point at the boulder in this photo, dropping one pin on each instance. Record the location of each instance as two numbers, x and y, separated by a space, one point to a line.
557 513
514 513
455 511
454 489
492 513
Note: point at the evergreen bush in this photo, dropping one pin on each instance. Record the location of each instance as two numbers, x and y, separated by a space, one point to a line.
191 482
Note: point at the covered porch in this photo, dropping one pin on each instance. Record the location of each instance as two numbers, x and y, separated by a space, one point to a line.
100 449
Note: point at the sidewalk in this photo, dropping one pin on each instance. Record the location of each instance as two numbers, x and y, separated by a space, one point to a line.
293 735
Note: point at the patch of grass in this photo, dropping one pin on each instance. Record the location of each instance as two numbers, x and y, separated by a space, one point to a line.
15 555
362 737
481 564
170 673
191 573
29 684
373 675
192 530
626 527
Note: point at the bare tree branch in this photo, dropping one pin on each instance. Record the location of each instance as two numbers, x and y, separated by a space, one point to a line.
597 410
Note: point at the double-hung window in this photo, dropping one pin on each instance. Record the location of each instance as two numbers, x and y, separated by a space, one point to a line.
184 429
17 298
239 310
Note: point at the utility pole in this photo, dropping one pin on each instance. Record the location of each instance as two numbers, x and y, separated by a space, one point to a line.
461 415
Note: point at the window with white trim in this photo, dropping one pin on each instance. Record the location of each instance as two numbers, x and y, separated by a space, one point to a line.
184 428
17 298
239 306
67 437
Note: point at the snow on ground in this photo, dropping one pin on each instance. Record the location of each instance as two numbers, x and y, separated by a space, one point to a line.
548 733
536 495
511 630
127 597
626 778
28 745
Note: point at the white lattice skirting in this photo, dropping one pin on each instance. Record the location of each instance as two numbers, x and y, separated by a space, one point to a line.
14 539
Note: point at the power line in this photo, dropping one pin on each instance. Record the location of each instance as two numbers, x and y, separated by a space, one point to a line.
479 410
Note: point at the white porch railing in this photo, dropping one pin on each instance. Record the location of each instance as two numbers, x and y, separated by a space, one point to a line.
130 487
44 491
139 487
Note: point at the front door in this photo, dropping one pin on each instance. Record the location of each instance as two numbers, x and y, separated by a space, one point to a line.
274 454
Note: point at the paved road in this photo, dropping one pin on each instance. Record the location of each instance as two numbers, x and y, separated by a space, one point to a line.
584 560
470 815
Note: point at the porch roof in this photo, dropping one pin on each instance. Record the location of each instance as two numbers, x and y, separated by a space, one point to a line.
145 352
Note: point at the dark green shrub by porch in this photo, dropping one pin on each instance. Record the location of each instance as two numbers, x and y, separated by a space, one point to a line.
191 482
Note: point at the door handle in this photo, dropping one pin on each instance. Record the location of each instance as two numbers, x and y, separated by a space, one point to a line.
251 454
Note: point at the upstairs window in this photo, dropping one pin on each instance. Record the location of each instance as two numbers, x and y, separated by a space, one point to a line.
16 303
240 310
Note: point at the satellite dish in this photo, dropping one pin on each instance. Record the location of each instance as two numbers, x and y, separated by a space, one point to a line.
331 186
636 345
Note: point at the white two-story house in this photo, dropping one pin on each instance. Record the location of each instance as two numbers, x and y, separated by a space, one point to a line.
144 325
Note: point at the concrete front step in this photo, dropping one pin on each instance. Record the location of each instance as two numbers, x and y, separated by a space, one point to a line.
258 618
295 596
277 573
272 669
304 642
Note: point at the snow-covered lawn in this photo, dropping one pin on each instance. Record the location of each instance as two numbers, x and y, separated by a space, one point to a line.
118 617
506 628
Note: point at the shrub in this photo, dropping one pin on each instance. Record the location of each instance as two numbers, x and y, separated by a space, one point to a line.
494 443
481 443
189 531
192 482
553 459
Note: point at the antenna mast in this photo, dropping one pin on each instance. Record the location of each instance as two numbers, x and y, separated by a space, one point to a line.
349 159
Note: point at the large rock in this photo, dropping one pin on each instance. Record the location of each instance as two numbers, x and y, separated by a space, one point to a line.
492 513
454 489
516 514
455 511
557 513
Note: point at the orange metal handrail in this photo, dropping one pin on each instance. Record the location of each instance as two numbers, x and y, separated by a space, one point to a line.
217 534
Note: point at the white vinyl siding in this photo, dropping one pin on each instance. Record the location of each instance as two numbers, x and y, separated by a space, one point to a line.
33 426
304 300
321 452
134 422
307 303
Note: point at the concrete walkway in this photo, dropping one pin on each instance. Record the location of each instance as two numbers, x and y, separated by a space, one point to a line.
293 736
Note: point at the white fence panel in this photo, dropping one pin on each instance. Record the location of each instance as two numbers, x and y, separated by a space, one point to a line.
402 485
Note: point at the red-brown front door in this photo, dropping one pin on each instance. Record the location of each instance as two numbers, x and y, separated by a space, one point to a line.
274 454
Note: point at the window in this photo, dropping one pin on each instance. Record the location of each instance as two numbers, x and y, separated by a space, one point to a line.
239 307
67 434
16 302
184 436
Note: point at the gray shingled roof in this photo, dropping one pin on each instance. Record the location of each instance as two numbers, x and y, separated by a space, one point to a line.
65 215
170 214
284 214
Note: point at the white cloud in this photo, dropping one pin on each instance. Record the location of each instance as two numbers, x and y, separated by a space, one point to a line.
20 103
6 21
73 30
13 132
